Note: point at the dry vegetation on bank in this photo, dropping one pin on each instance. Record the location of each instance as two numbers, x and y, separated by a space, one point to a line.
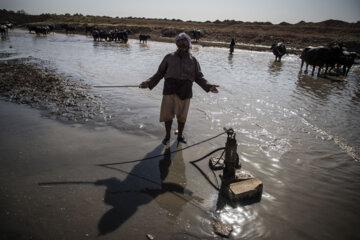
219 33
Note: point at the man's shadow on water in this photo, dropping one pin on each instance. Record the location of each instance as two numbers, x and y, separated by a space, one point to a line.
144 183
147 180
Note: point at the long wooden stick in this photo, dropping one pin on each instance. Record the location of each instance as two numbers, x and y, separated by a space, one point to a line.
116 86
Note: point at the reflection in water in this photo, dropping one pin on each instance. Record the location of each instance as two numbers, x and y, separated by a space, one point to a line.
275 68
316 87
173 180
230 60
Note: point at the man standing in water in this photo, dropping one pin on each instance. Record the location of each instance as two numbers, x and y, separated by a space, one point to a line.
179 69
232 46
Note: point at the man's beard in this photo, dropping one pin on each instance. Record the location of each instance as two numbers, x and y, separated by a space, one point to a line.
183 51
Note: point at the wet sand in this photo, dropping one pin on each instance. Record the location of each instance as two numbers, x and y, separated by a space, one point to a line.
51 186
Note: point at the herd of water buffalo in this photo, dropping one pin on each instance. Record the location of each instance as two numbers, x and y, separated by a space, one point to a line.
333 56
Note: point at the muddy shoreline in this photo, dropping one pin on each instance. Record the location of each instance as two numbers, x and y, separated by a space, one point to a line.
26 81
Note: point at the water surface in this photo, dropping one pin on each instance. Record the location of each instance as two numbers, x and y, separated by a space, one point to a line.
298 133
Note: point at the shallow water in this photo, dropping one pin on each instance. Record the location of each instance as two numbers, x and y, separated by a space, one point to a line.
298 133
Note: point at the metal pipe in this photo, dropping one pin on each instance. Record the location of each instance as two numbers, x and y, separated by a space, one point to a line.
230 156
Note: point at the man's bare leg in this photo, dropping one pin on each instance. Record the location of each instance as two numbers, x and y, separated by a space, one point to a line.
168 128
181 126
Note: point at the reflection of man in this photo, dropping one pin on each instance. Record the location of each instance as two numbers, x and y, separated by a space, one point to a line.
180 69
173 183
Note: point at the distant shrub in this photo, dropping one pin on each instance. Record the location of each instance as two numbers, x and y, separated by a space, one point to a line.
284 23
22 11
170 32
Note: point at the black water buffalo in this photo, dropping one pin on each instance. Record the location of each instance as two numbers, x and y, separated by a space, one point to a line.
143 38
196 34
100 35
42 30
70 30
3 30
346 60
9 25
320 56
31 28
113 35
302 57
122 36
96 35
279 50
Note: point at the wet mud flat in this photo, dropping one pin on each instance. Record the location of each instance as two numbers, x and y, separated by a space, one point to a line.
27 81
52 183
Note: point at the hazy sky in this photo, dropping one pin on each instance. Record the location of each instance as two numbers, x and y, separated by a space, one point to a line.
275 11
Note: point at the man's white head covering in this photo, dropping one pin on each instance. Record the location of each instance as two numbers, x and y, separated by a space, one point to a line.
183 36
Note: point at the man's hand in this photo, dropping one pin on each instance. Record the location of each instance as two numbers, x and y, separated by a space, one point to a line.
144 85
213 89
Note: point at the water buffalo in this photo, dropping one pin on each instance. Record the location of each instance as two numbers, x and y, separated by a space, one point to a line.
279 50
196 34
143 38
42 30
302 56
70 30
346 60
320 56
95 35
3 30
100 35
122 36
9 25
103 35
31 28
